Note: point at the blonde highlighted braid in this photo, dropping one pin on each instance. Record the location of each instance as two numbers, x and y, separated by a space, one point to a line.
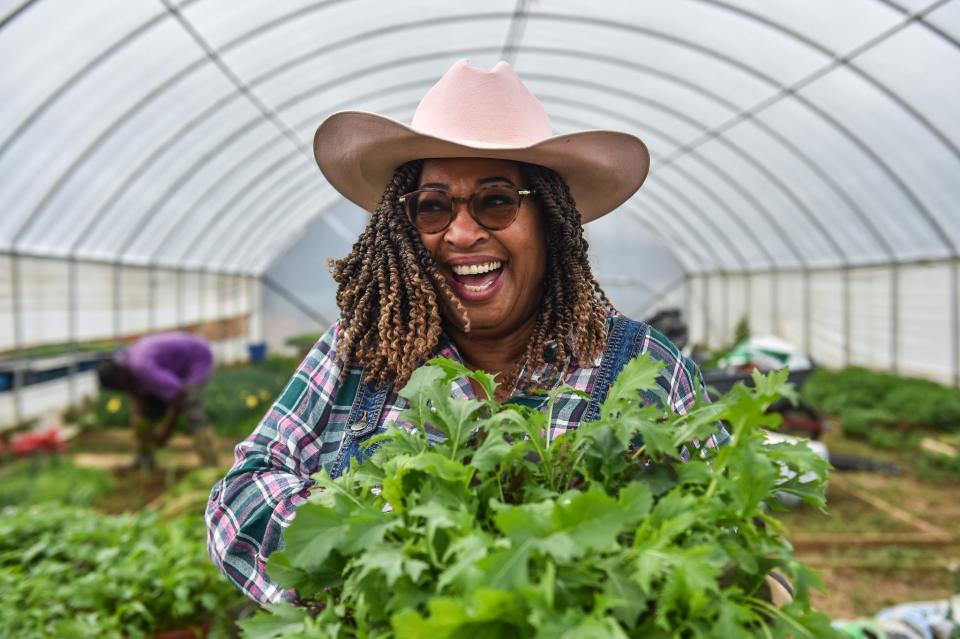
391 293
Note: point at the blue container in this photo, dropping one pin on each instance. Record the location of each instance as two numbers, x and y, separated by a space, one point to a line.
6 381
258 351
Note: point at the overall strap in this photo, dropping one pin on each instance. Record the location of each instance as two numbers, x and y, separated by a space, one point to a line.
367 406
624 342
362 422
366 402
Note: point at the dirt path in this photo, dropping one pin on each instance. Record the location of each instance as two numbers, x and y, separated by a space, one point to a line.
113 450
897 539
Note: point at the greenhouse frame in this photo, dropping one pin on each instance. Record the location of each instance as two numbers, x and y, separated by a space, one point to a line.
157 169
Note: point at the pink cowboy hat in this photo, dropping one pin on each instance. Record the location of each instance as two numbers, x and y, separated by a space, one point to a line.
486 114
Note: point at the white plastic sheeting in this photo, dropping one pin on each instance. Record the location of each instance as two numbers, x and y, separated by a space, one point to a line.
897 318
57 302
791 134
114 302
798 149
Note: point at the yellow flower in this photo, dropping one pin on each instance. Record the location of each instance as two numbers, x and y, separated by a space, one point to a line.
114 405
264 394
252 401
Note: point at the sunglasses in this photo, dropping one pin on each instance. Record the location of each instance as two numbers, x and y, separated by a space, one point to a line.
493 207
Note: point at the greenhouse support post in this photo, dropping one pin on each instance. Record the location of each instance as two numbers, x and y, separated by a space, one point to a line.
73 324
201 295
17 308
231 308
208 303
705 307
895 318
748 292
117 301
203 282
807 311
725 307
151 298
180 297
218 308
846 316
248 281
705 293
955 319
774 303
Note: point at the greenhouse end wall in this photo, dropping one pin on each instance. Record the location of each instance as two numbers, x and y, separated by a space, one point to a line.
51 308
903 318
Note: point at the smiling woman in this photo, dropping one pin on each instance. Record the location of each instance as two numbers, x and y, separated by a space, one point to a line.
486 225
496 274
474 251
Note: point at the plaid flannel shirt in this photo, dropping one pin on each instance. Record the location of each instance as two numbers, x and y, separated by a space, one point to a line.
301 433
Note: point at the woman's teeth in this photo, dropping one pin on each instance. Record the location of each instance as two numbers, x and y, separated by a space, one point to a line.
476 269
478 289
477 278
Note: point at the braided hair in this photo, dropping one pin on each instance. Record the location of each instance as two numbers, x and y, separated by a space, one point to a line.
391 293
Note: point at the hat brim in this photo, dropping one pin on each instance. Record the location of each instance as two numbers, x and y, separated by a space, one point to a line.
359 151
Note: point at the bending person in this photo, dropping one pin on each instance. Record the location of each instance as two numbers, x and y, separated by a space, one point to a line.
164 375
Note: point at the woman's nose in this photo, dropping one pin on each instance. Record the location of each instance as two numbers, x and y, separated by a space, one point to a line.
464 231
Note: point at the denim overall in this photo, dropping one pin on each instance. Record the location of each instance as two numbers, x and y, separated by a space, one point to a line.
624 342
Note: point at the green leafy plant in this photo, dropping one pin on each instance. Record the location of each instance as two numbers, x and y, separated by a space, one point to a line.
64 348
504 530
108 409
741 331
905 401
54 481
878 427
69 572
236 398
859 422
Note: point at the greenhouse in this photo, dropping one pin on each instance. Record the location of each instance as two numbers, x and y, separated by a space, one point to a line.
802 204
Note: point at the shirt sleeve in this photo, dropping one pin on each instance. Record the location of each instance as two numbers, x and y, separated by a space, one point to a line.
252 505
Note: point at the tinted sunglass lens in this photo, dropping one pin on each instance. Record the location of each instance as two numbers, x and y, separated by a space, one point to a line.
431 211
496 207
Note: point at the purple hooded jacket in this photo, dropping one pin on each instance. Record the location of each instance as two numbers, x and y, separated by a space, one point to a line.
164 363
